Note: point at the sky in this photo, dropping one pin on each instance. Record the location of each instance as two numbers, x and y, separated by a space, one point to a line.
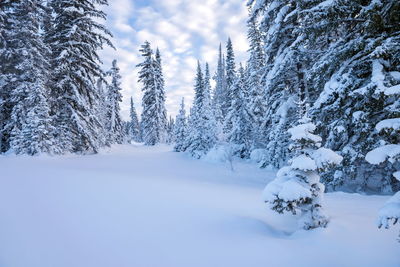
184 30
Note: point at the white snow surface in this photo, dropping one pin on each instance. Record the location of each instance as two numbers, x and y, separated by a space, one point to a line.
381 154
136 206
388 124
303 163
325 157
304 131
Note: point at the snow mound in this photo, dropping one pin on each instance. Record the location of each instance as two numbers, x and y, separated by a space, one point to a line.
257 155
383 153
397 175
289 190
388 124
325 157
390 211
218 154
303 132
303 163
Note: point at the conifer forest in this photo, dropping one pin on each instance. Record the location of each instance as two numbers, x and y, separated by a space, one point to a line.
199 133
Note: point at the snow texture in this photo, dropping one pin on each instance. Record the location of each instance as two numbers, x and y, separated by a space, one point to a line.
383 153
393 124
148 206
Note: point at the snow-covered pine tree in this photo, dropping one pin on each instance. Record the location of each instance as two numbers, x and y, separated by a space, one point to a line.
153 121
30 126
74 39
297 188
220 89
160 82
5 103
278 23
389 150
114 97
180 130
230 80
256 100
201 136
349 36
241 134
134 126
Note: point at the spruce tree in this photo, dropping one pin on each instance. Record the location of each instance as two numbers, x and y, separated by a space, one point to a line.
114 97
230 80
201 137
75 38
256 101
239 116
154 120
389 149
297 188
30 126
180 130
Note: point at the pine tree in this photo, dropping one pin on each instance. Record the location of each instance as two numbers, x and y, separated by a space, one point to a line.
201 137
74 39
5 59
256 99
240 118
230 79
153 122
389 150
220 86
180 130
134 126
114 97
30 128
161 97
297 188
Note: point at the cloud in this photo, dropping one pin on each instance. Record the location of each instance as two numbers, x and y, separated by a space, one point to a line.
184 30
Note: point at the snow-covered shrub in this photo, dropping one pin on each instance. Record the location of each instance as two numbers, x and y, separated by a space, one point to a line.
297 188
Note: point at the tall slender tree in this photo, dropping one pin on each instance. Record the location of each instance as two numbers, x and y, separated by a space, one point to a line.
154 120
75 39
114 97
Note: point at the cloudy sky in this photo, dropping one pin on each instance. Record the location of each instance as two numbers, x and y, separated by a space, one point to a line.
184 30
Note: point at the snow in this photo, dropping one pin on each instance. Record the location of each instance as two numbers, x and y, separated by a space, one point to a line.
390 211
383 153
397 175
147 206
325 157
303 131
303 163
389 124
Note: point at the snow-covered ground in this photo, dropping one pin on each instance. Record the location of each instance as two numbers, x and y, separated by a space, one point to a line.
138 206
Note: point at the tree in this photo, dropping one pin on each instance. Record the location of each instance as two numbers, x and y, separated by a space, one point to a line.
201 137
153 122
180 130
220 89
240 118
114 97
256 100
134 126
297 188
5 68
30 125
74 39
230 80
390 150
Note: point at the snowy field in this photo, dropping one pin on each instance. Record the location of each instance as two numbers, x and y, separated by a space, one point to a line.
138 206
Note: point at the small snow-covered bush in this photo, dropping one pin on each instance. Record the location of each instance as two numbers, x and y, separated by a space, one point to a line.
297 188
